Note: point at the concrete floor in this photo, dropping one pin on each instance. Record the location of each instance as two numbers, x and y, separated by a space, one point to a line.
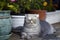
57 27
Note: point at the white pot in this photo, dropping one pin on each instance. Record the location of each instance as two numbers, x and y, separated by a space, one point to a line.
17 21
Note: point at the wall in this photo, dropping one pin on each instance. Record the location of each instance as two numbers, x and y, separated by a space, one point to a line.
53 17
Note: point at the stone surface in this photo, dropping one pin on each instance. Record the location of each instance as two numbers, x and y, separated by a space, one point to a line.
57 27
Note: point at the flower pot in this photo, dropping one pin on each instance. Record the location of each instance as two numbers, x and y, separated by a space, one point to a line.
5 37
17 21
42 13
5 22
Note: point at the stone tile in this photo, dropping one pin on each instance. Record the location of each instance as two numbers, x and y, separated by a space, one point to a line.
57 27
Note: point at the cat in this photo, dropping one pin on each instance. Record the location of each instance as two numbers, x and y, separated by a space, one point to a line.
32 26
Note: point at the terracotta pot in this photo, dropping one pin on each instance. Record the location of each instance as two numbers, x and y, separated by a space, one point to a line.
42 13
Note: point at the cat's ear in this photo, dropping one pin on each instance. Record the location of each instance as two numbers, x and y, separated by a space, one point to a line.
37 15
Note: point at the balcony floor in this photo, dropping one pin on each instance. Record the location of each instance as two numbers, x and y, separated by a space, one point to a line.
57 26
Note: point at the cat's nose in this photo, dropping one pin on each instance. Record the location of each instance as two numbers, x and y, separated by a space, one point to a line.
29 18
32 22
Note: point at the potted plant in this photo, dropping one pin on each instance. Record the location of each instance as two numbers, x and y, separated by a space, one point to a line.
5 20
36 6
13 6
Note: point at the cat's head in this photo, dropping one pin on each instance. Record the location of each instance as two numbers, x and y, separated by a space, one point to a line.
31 18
